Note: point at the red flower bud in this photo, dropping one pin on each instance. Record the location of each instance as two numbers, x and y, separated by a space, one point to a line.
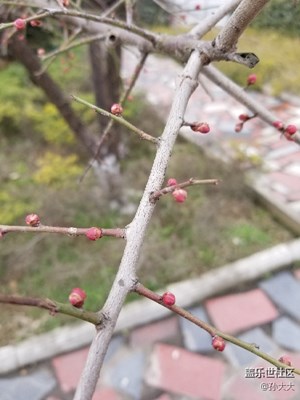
168 299
77 297
171 182
285 360
278 125
35 22
239 127
252 78
290 129
201 127
20 24
244 117
116 109
93 233
32 220
218 343
179 195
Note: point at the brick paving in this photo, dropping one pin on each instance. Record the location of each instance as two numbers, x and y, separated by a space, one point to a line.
172 359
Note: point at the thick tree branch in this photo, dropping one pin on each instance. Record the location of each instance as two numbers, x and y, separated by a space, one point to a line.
208 23
126 275
247 10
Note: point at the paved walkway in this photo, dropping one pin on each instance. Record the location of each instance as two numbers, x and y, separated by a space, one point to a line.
171 359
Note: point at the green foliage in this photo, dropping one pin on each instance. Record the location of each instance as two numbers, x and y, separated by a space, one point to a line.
47 121
280 15
57 170
279 56
149 13
11 207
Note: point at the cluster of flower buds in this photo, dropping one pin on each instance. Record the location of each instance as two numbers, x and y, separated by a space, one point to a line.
288 131
242 119
179 195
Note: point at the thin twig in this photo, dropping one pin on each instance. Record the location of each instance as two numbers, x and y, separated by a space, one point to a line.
110 123
53 54
53 307
169 189
69 231
143 135
143 291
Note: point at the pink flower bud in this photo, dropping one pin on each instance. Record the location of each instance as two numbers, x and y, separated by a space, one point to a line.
278 125
20 24
35 22
251 80
179 195
116 109
32 220
77 297
171 182
93 233
218 343
40 52
285 360
168 299
197 7
239 127
244 117
290 129
201 127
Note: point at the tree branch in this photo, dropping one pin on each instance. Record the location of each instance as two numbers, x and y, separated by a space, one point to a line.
247 10
243 97
53 307
169 189
253 348
126 276
69 231
120 120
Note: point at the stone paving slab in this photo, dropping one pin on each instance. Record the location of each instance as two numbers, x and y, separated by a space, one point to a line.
127 373
234 313
163 330
185 373
284 290
33 386
286 332
196 339
240 388
240 357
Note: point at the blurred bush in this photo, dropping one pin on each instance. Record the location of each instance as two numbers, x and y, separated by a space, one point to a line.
284 16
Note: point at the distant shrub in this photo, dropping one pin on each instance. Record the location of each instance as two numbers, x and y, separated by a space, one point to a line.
282 15
54 169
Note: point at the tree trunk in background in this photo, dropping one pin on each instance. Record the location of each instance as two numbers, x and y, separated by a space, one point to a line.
19 50
105 69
